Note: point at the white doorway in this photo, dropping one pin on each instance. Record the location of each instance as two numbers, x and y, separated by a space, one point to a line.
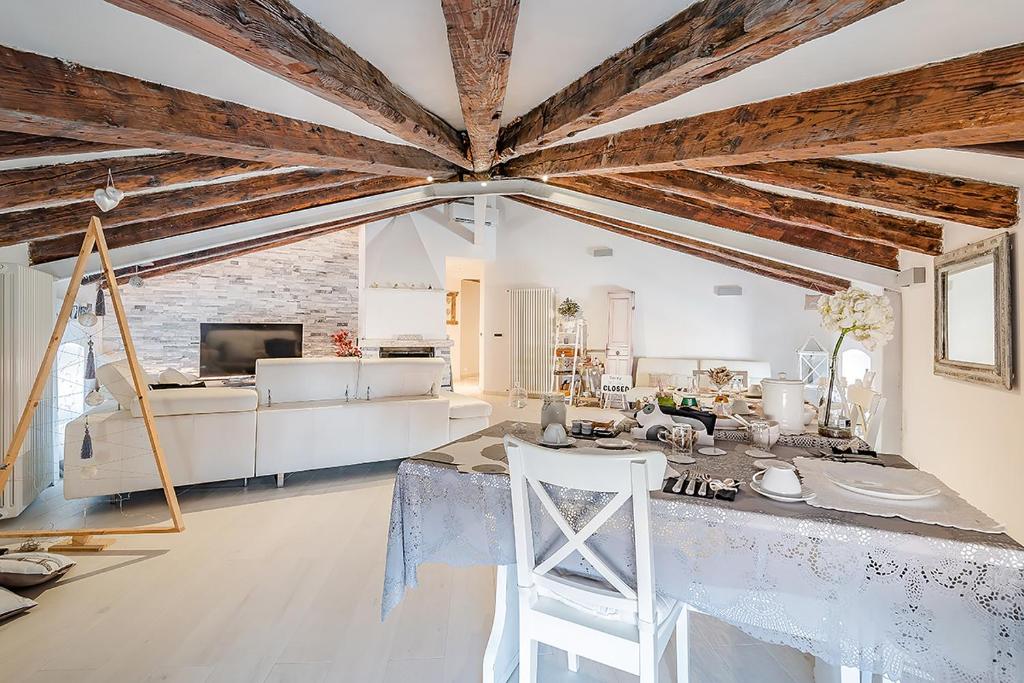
469 332
465 286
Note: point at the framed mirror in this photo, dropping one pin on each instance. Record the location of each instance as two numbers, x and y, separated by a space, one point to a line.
974 313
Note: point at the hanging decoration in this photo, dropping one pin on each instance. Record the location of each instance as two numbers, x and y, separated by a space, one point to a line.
108 197
90 363
101 303
86 453
86 318
94 398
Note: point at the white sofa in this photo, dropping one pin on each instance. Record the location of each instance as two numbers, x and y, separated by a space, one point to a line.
305 413
673 371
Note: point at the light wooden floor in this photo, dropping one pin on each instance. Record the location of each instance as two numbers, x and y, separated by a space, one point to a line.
285 585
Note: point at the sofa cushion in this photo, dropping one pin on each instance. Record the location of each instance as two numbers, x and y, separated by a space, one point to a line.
198 401
12 604
21 570
286 380
390 377
460 406
116 378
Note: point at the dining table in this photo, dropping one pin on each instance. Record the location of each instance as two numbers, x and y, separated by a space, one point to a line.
886 597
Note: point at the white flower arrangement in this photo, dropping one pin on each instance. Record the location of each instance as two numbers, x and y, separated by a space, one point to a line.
868 317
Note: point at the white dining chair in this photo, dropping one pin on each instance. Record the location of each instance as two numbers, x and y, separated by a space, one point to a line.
604 619
869 406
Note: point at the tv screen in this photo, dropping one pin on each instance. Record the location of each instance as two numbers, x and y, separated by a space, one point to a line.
231 349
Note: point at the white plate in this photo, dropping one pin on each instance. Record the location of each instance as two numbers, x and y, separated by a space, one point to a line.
758 453
613 444
804 497
765 464
569 442
876 490
711 450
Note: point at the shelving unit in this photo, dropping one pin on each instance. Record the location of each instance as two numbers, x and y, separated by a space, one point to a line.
569 344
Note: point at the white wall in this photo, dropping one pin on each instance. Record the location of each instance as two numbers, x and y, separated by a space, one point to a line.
677 312
966 434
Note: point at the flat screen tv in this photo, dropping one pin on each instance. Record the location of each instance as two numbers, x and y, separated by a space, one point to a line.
231 349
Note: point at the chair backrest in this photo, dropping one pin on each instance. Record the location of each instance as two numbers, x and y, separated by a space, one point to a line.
874 422
628 477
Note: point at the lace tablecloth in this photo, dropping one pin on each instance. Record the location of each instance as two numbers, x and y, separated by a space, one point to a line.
912 601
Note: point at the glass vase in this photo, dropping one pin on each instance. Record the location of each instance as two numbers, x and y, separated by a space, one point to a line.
833 410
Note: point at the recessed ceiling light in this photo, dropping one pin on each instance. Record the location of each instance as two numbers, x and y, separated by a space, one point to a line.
430 178
483 184
544 178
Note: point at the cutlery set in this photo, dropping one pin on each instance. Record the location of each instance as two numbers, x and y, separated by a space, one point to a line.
702 485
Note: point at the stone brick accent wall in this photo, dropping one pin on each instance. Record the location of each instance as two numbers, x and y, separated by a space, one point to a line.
315 282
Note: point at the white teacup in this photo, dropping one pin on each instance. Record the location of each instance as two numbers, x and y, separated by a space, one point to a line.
554 433
781 480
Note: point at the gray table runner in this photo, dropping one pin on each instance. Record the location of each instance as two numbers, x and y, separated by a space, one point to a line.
912 601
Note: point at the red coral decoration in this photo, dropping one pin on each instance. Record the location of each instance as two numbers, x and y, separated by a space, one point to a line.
344 346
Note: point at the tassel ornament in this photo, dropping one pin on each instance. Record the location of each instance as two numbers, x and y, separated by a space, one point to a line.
101 303
90 363
86 453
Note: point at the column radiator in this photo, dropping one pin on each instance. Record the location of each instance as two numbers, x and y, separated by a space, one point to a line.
26 322
531 338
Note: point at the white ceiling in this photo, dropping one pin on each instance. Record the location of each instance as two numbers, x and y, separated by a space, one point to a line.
555 43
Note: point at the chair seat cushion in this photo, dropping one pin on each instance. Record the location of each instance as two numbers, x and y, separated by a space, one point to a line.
663 605
460 406
198 401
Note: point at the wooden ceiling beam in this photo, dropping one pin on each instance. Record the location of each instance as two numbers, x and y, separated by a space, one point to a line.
22 226
776 270
974 202
29 188
704 43
480 35
251 246
45 96
274 36
969 100
24 146
730 219
1013 149
840 219
48 250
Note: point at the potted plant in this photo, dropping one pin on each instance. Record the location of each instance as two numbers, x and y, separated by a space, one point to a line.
569 309
344 345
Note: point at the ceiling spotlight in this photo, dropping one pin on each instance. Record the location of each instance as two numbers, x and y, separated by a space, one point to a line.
483 184
108 197
543 178
430 178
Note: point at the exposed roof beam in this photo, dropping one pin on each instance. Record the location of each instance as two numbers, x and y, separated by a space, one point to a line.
274 36
480 34
1013 149
24 146
839 219
22 226
974 202
750 263
704 43
28 188
730 219
48 250
969 100
46 96
215 254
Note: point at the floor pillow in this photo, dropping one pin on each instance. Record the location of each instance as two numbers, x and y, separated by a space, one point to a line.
20 570
12 604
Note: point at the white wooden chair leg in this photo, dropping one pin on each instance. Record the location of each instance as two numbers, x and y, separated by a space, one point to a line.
280 481
527 659
683 646
574 661
648 654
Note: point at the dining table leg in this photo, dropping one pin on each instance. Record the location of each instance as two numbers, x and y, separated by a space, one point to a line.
830 673
501 657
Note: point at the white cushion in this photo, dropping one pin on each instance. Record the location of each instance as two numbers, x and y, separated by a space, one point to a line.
116 378
391 377
561 585
12 604
460 406
198 401
172 376
286 380
21 570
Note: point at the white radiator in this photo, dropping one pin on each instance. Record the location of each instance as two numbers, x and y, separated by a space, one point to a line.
531 338
26 322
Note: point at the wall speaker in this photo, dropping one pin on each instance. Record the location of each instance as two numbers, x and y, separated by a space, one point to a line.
728 290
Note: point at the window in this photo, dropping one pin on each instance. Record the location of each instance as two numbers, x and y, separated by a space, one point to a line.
854 363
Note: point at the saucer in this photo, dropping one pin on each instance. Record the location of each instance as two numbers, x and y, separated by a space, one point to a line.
568 442
680 459
613 444
765 464
804 495
711 450
758 453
